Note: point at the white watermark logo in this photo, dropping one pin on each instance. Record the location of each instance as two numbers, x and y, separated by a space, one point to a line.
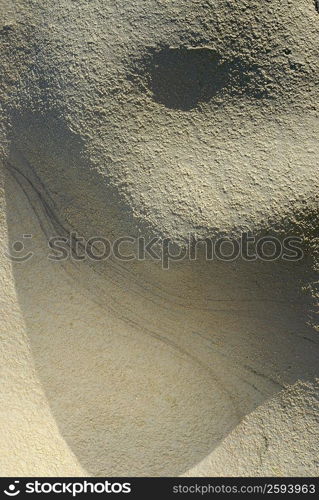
11 491
72 488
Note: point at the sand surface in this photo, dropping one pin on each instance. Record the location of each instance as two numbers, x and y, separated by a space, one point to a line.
158 118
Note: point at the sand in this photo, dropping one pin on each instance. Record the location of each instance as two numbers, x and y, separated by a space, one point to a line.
159 118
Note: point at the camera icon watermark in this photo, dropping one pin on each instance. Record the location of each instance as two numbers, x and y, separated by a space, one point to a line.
12 490
18 251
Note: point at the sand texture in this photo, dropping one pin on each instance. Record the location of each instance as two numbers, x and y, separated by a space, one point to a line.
158 118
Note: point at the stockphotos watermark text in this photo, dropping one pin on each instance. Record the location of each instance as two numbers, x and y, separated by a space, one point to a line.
164 250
